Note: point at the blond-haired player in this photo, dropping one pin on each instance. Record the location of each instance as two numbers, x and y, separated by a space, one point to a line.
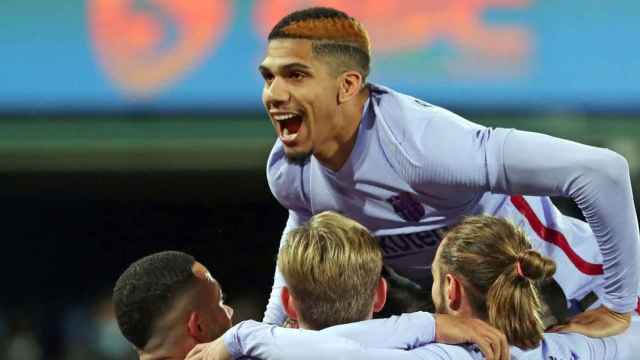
484 269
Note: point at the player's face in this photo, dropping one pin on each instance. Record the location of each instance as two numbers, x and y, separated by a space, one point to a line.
300 96
438 286
216 315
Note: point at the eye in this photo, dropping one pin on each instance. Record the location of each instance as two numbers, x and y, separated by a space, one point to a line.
268 77
298 75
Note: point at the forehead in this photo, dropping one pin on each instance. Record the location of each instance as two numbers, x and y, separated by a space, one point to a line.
282 52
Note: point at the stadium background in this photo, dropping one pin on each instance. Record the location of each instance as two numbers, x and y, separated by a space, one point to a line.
132 126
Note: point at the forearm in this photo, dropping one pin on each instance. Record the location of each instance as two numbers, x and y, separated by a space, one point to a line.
407 331
268 342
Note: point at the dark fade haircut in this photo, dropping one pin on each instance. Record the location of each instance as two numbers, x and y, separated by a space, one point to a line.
403 296
146 291
334 35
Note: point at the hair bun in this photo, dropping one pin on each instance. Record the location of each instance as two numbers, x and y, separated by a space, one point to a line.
534 266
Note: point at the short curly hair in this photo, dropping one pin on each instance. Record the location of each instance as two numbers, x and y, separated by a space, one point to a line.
146 291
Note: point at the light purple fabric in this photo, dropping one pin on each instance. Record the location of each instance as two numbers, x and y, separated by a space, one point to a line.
416 169
408 337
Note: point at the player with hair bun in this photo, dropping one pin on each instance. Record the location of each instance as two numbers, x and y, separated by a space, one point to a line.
484 270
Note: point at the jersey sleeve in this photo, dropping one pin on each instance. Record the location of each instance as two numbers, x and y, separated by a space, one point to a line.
570 345
450 156
274 314
256 340
407 331
596 179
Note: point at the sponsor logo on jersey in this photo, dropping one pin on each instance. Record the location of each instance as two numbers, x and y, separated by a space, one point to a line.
407 207
400 245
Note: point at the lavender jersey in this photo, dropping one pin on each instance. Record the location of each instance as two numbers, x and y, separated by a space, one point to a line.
417 169
409 337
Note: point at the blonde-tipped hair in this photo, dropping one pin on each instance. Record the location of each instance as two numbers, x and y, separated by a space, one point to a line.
332 266
334 34
500 272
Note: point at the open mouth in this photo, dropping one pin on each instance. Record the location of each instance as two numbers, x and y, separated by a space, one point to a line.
289 125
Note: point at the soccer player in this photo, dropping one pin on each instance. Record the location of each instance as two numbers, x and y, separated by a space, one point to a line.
406 170
484 269
166 303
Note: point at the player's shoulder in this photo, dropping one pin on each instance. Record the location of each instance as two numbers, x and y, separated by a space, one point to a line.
285 179
408 117
414 132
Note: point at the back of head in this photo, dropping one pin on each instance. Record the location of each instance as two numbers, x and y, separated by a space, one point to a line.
500 272
147 289
332 266
403 296
335 35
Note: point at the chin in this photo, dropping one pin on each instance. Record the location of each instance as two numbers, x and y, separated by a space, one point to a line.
297 157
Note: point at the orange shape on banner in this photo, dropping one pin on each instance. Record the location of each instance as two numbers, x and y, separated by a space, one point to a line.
398 26
147 45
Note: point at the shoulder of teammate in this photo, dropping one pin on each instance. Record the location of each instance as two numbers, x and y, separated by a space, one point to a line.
285 179
429 144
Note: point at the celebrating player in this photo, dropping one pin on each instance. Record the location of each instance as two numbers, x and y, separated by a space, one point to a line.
406 170
484 269
166 303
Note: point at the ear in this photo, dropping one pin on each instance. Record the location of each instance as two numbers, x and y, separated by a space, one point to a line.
288 303
194 328
350 84
454 292
380 295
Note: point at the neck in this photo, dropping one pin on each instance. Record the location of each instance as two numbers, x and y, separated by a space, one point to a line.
336 151
167 345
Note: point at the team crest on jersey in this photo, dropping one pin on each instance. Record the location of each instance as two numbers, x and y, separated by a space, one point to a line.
407 207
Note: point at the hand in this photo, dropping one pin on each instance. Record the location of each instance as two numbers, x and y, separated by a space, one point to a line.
215 350
291 324
598 322
456 330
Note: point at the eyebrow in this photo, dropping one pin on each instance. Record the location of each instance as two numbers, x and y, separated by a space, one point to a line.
287 67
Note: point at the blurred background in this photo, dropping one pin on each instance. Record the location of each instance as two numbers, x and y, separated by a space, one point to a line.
134 126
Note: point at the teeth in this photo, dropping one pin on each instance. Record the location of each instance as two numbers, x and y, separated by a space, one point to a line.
285 132
283 117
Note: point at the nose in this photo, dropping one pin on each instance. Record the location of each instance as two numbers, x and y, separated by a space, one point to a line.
276 93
